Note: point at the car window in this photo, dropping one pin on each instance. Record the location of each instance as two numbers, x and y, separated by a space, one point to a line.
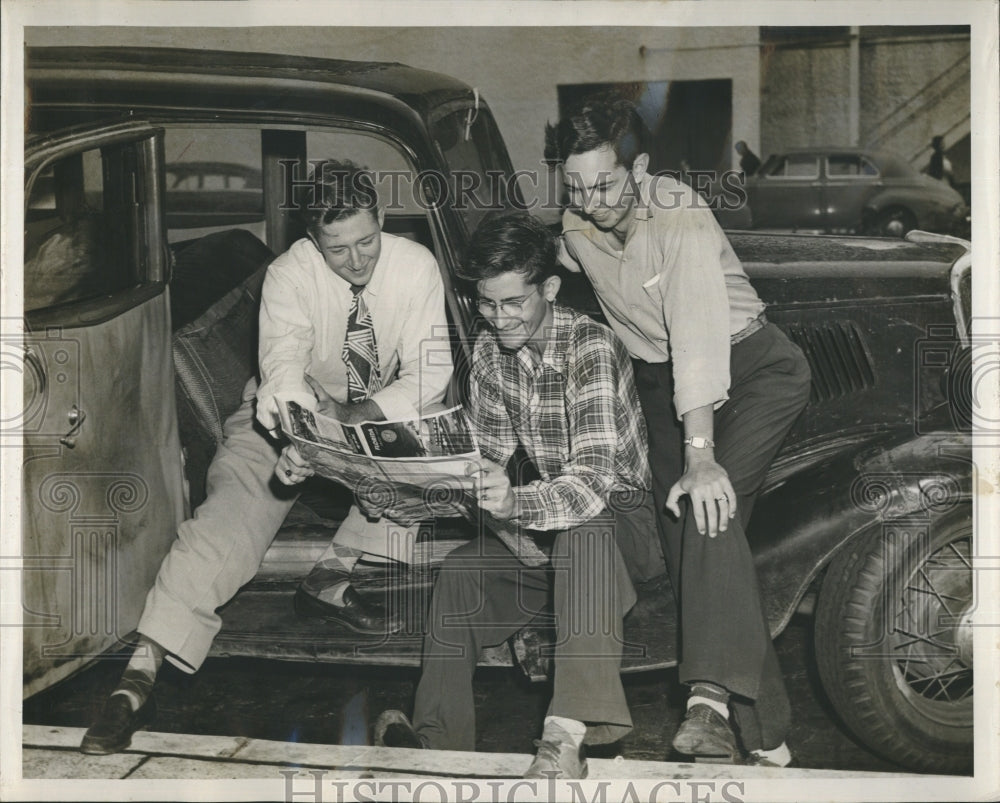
395 178
213 180
83 227
850 166
796 166
472 147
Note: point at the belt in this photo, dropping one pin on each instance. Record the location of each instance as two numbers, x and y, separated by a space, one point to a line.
755 325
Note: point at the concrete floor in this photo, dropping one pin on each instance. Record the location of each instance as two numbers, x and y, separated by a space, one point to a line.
326 704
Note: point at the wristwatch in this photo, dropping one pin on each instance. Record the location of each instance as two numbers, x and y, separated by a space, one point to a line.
699 443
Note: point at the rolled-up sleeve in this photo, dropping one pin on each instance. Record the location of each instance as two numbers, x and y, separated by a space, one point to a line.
424 347
692 290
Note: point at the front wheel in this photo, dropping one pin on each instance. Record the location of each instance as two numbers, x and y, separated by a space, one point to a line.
894 640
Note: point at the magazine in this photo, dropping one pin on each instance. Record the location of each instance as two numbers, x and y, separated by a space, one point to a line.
411 469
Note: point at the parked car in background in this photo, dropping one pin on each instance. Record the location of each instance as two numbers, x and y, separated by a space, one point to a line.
851 190
141 331
212 193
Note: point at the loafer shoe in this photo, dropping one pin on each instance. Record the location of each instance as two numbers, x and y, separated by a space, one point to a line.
393 729
112 732
354 614
705 732
557 757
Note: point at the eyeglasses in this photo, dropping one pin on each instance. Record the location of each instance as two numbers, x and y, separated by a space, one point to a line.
509 306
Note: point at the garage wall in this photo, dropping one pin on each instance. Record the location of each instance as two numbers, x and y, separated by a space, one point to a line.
518 70
913 85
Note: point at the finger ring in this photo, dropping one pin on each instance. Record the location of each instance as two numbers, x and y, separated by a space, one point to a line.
720 498
288 472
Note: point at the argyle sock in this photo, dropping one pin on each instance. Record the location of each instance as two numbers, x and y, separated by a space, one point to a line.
341 558
573 728
710 694
140 672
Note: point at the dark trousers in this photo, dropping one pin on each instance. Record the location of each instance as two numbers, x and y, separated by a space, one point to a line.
725 637
483 595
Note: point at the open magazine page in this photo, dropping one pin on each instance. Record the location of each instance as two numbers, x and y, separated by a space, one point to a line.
412 470
432 453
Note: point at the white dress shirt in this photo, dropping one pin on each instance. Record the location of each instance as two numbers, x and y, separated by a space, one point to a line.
303 319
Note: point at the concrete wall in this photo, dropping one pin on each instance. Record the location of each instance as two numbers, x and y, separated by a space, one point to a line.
911 88
804 97
518 70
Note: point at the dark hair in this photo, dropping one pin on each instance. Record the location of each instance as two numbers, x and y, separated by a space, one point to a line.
605 119
517 242
335 190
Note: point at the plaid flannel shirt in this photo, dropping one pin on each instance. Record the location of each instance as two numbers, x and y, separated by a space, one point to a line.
575 410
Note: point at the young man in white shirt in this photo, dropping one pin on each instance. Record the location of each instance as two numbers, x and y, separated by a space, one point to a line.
346 276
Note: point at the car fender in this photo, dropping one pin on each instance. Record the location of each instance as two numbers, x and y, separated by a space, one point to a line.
896 196
798 526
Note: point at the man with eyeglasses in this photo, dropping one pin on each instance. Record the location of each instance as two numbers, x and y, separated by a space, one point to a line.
560 385
720 389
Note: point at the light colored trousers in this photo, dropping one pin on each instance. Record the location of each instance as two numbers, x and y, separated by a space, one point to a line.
221 547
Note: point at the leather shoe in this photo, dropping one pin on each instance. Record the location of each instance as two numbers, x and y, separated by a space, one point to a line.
354 614
393 729
112 732
705 732
557 756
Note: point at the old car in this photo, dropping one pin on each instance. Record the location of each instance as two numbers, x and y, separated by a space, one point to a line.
140 332
851 190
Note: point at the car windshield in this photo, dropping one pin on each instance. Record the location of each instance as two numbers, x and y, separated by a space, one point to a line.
481 178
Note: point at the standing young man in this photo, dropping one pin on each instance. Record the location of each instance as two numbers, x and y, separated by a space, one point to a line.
560 385
720 388
347 313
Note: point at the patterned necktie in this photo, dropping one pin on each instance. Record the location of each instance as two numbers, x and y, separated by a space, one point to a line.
360 353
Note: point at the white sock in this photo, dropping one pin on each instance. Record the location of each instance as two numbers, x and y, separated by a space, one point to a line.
779 755
716 705
575 729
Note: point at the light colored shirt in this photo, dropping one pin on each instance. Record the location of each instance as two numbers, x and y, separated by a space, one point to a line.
575 409
303 320
674 291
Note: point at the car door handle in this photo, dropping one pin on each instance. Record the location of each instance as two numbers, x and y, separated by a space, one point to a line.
76 417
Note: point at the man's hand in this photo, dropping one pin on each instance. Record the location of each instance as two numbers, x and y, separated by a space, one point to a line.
326 404
495 494
291 469
713 499
345 412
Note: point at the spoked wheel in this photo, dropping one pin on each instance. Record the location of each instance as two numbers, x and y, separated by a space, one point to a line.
894 640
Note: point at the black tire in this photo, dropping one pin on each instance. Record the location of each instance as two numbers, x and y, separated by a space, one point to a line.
895 221
904 690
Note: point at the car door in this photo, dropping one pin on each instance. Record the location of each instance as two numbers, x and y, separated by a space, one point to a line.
850 180
102 490
787 194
